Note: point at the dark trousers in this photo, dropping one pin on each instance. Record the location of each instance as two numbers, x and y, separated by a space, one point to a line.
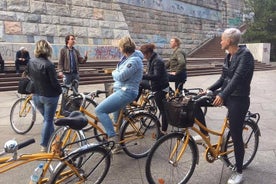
237 109
201 118
2 63
179 79
18 63
158 97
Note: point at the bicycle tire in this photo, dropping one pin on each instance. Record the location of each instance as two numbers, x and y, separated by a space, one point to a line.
22 118
142 141
66 136
160 168
93 163
151 106
250 135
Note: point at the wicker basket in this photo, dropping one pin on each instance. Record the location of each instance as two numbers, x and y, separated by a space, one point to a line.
179 113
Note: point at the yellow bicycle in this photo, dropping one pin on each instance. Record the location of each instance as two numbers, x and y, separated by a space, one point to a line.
23 111
173 157
137 128
88 163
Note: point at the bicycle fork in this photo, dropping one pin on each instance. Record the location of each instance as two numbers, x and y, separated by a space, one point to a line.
174 153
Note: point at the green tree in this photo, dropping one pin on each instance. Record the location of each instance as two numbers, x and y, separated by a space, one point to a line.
262 26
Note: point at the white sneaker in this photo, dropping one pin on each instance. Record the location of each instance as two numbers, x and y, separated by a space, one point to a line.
43 149
236 178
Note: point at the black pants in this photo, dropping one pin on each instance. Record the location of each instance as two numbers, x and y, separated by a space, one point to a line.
2 66
237 109
144 84
201 118
179 79
158 97
18 63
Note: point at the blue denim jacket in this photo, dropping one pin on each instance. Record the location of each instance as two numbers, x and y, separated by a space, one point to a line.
129 72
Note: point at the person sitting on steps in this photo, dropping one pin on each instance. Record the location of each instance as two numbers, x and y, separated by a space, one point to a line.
22 58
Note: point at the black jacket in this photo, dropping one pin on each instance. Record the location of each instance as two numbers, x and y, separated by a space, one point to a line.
236 75
157 73
42 72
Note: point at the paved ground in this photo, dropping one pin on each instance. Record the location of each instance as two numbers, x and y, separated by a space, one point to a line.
126 170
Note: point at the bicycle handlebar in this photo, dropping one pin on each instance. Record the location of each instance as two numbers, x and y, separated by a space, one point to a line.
207 97
26 143
91 95
11 146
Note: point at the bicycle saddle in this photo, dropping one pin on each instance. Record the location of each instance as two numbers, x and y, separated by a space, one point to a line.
76 120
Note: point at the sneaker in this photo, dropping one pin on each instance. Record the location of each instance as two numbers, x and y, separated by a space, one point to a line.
117 147
236 178
199 140
43 149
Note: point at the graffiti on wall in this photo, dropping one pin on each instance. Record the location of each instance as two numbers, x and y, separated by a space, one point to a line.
174 6
8 51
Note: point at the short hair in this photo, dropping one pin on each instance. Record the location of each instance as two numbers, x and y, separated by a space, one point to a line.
127 45
177 41
233 34
68 37
43 49
147 48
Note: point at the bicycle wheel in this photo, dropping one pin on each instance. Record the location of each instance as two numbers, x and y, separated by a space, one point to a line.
92 163
65 135
22 116
159 166
139 134
89 105
250 136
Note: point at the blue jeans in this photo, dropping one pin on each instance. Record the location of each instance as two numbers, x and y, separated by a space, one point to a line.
47 107
69 77
113 103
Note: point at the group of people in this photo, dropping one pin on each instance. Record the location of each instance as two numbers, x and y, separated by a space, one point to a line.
233 86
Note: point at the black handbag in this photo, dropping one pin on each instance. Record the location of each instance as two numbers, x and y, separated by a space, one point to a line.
25 86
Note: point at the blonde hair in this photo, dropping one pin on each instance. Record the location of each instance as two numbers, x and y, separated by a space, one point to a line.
43 49
127 45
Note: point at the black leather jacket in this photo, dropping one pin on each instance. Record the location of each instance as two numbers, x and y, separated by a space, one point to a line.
42 72
157 73
236 75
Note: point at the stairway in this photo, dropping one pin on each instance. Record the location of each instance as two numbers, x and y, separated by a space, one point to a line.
211 49
206 60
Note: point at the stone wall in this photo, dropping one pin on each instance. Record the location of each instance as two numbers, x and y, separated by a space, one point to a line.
98 25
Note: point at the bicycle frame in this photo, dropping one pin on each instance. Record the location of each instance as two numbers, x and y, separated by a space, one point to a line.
214 149
24 109
9 162
117 125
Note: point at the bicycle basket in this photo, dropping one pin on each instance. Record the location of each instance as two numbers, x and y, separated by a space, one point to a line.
179 113
71 104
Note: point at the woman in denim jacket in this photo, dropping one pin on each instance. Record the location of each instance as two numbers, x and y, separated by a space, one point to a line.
127 77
